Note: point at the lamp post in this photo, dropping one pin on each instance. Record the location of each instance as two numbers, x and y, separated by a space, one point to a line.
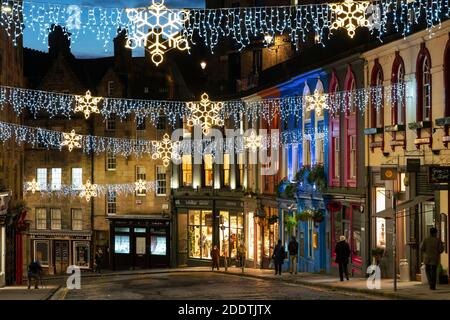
222 227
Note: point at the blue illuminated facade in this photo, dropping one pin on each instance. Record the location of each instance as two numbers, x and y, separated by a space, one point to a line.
305 146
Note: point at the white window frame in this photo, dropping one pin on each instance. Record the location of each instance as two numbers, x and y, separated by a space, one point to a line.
111 161
190 182
80 221
426 86
337 157
41 178
400 99
55 222
39 219
56 179
353 156
111 203
77 178
161 184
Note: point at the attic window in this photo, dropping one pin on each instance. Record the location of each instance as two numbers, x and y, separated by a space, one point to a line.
111 88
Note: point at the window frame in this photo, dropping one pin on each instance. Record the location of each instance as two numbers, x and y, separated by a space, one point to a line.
56 185
111 161
74 186
423 56
111 206
52 219
42 178
73 220
396 79
38 219
161 184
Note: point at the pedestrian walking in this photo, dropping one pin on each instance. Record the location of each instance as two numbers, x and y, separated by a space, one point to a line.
431 248
98 261
215 255
278 256
34 273
342 257
241 255
293 251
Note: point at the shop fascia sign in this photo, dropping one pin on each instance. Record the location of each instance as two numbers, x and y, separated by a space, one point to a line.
439 174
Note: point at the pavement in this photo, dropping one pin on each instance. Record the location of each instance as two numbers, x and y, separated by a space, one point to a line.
54 286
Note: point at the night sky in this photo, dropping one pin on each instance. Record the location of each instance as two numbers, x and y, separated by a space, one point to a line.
88 46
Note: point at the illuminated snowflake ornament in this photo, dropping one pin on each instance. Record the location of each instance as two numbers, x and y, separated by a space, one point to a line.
350 15
33 186
205 114
317 102
166 150
88 191
72 140
158 29
141 186
253 142
87 104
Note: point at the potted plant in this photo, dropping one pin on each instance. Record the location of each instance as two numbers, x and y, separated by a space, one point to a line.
377 254
317 177
304 170
318 216
289 191
290 221
304 215
273 219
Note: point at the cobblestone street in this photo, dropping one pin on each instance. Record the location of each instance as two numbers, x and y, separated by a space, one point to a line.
198 285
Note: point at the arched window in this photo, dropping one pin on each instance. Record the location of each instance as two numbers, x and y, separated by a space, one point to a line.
307 145
423 77
351 152
398 91
447 79
319 139
377 103
334 132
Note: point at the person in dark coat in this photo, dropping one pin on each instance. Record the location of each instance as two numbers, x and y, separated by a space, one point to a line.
293 250
342 257
431 248
98 260
34 273
278 256
215 255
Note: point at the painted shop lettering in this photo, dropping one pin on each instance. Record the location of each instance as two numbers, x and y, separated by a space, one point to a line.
187 310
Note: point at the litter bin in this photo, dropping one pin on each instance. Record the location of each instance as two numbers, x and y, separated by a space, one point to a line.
404 270
423 274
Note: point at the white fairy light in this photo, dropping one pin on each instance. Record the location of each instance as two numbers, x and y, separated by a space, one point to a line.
158 27
72 140
87 104
350 15
141 186
205 113
32 186
88 191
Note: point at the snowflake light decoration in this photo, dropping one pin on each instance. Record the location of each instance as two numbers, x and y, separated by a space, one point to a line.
165 150
87 104
253 142
317 102
33 186
141 185
158 27
72 140
350 15
205 114
88 190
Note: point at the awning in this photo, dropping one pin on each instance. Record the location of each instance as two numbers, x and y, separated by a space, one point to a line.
389 212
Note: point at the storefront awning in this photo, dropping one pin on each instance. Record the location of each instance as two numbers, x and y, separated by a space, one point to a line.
389 212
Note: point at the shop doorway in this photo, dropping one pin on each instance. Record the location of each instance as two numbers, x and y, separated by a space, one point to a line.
61 254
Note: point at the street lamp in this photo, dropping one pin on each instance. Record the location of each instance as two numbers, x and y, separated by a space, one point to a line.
268 38
222 227
203 65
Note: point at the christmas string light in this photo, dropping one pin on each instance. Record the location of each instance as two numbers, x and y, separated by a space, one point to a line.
205 114
56 104
71 140
102 190
88 191
87 104
180 27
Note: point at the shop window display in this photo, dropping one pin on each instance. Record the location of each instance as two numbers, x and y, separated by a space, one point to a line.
200 232
271 233
81 254
233 234
122 244
41 252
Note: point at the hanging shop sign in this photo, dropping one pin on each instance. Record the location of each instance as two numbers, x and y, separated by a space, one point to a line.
389 173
